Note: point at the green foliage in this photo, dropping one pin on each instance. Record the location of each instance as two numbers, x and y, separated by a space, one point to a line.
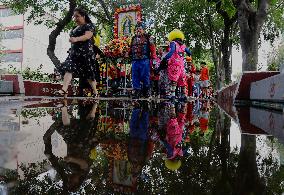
228 6
274 26
41 12
1 46
199 20
35 75
276 58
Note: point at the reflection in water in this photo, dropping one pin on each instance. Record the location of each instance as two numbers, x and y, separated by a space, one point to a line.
79 135
140 146
118 147
171 126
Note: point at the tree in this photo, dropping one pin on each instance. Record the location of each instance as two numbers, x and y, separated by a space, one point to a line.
251 17
210 24
1 47
229 16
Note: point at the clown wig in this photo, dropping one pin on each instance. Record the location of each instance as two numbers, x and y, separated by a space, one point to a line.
176 34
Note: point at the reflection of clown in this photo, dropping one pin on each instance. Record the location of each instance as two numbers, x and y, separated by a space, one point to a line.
171 132
175 58
190 78
204 119
140 146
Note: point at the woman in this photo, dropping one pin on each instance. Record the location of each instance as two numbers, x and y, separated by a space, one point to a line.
81 61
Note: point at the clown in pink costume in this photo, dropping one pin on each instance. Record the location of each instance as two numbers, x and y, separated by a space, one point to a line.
175 69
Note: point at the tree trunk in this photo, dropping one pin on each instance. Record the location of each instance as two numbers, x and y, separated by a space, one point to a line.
225 70
249 45
251 22
226 51
226 44
219 68
213 48
223 124
55 33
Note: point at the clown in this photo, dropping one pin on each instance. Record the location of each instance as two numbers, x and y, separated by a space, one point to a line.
175 69
142 49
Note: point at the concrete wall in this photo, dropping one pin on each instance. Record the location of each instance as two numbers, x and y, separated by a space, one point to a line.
35 44
271 88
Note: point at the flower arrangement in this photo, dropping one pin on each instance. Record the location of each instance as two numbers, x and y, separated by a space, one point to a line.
118 48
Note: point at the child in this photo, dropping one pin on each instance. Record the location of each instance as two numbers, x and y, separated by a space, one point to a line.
141 51
140 146
204 78
154 78
204 119
114 82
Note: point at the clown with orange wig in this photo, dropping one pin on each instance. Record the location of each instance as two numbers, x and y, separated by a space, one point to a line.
175 69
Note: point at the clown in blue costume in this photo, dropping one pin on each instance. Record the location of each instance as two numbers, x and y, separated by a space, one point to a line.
141 51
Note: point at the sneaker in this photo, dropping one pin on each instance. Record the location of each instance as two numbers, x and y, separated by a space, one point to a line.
182 97
146 93
136 94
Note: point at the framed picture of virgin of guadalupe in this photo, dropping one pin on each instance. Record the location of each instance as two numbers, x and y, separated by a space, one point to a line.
125 19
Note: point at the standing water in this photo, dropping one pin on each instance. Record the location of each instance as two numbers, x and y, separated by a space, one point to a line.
124 147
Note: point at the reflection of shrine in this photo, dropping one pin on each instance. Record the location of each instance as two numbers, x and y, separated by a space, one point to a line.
114 128
119 169
114 118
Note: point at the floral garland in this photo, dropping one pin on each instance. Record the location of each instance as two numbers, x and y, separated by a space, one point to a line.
117 48
136 8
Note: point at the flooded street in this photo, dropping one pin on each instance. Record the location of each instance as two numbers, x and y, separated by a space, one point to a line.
127 147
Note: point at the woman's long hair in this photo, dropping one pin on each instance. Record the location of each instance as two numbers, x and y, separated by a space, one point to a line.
83 12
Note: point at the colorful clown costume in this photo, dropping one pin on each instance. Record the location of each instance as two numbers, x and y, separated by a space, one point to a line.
175 57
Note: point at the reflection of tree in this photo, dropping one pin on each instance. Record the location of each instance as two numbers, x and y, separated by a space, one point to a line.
248 180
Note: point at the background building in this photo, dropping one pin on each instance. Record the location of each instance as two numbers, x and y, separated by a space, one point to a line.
24 44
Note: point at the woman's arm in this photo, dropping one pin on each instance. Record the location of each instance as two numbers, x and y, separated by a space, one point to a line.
85 37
